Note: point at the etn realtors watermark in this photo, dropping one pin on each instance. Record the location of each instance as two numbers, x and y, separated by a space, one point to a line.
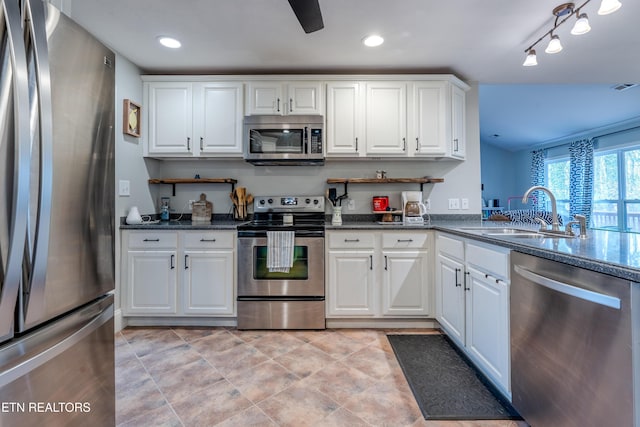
45 407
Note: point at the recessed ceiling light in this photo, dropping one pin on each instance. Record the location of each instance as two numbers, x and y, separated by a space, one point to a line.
169 42
373 40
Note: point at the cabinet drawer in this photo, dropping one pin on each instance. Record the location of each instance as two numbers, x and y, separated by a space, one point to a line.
208 239
153 240
452 247
489 260
351 240
404 240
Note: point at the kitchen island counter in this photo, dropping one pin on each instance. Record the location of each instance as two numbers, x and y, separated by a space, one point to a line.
609 252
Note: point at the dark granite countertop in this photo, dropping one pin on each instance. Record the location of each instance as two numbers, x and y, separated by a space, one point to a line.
182 222
609 252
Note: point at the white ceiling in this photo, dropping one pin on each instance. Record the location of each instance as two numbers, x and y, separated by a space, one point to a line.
477 40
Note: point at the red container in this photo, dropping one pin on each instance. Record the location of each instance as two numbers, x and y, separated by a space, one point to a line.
380 203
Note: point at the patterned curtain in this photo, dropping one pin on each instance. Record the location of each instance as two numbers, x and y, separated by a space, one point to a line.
537 177
581 177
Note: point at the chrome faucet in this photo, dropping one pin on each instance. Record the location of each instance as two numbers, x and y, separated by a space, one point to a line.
555 226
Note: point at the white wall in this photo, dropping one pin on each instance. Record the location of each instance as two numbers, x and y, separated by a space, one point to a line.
129 163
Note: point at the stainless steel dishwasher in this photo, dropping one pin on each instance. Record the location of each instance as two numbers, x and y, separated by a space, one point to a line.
574 340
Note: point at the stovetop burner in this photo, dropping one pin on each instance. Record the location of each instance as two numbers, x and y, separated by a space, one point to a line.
303 214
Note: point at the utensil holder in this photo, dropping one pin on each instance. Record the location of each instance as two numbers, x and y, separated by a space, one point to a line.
336 217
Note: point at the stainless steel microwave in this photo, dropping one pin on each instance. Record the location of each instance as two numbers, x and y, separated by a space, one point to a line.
284 140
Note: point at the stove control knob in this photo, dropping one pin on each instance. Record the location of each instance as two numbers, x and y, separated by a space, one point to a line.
270 201
307 201
262 201
316 201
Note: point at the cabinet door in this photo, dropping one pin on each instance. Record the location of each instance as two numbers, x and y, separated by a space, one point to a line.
208 286
429 119
344 119
450 296
458 126
151 284
265 97
386 118
218 118
488 325
304 98
405 283
170 118
351 284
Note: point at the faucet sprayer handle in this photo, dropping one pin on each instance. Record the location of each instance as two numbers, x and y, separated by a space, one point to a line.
543 223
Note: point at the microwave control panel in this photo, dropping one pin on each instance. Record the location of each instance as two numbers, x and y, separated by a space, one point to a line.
316 141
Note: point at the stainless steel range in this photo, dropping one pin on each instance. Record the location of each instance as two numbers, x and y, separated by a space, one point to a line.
272 299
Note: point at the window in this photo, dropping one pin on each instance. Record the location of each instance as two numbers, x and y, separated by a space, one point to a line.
616 191
616 188
557 180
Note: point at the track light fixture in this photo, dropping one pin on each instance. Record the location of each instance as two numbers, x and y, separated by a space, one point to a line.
563 13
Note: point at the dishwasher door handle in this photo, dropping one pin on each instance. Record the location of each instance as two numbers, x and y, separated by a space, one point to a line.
567 289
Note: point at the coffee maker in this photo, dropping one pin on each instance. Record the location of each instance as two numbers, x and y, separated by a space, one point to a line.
413 208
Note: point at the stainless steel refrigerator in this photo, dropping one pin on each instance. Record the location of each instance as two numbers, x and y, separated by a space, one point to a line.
56 220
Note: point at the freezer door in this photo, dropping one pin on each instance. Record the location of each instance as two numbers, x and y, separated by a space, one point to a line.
70 247
14 161
63 374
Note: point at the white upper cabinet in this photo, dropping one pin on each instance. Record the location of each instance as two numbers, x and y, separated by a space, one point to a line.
344 119
396 119
170 118
194 119
458 119
284 98
218 120
386 118
428 135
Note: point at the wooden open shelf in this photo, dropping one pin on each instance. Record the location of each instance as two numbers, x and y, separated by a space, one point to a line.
174 181
421 181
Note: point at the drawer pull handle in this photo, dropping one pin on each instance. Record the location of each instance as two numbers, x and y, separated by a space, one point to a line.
466 274
405 240
457 271
370 262
173 257
151 240
385 262
186 263
207 240
351 240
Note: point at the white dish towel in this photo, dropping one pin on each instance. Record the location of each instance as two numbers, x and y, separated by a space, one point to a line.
280 246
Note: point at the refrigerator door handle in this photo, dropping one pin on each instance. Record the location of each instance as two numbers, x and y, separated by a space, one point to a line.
81 325
10 12
34 306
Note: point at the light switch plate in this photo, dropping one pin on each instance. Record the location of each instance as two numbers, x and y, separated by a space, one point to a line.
454 204
124 188
465 203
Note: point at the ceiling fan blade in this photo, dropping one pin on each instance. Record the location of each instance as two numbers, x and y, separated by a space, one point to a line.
308 13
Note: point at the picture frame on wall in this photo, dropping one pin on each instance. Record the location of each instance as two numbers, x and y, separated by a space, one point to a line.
131 118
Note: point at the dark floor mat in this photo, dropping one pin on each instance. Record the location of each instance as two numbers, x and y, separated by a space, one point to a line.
445 384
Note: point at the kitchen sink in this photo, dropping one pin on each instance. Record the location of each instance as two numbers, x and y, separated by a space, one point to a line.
515 232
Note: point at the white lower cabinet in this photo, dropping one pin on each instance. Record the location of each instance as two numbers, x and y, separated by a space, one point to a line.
151 282
378 274
472 303
178 273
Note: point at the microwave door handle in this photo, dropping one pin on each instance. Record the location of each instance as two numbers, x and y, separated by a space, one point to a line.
306 140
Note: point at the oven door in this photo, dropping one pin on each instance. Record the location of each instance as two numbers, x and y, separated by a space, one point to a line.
304 279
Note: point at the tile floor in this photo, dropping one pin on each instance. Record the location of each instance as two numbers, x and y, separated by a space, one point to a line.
225 377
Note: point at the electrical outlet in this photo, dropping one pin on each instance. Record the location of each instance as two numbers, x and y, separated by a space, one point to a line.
124 188
454 204
427 204
465 203
191 202
351 205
